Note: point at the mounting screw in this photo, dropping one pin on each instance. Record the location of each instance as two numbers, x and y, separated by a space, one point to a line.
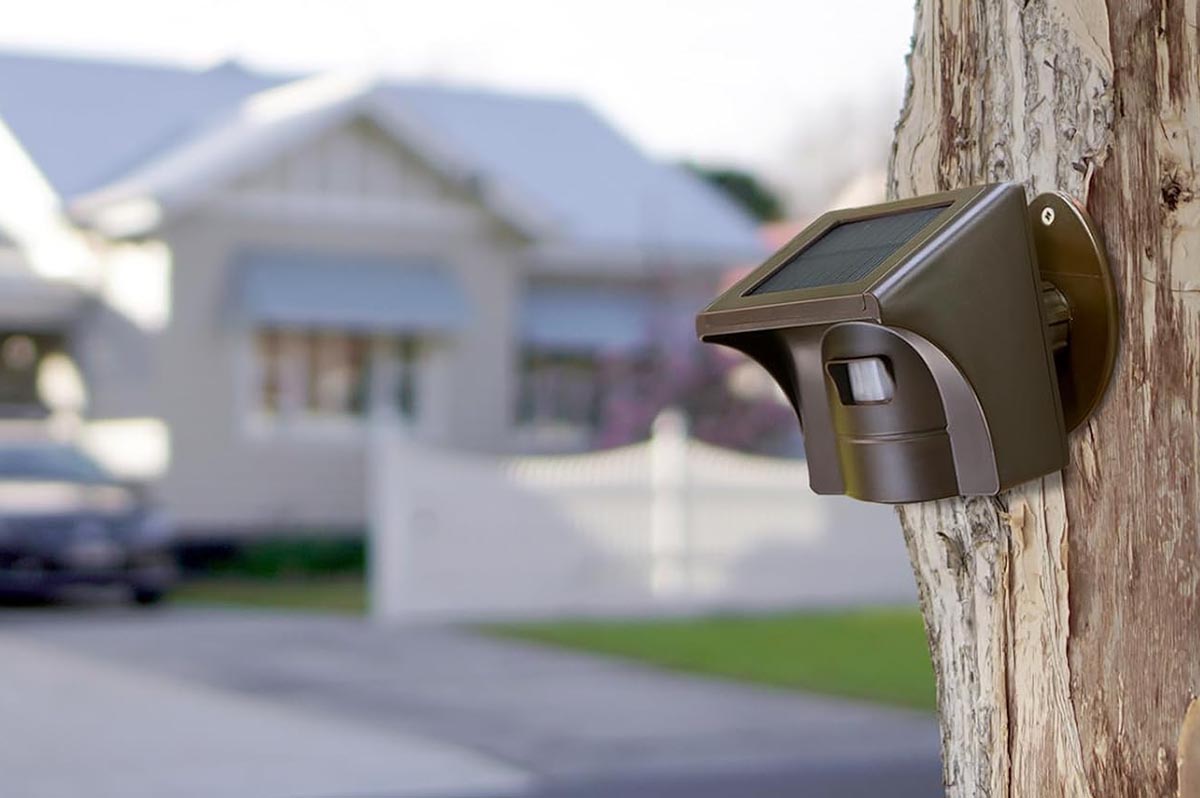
1047 216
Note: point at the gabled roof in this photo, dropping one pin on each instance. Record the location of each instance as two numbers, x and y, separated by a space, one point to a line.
267 124
104 132
86 123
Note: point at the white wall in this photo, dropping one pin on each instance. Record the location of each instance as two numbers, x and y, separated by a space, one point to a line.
671 525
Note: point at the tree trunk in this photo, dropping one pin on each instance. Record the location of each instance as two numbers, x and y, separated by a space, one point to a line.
1063 616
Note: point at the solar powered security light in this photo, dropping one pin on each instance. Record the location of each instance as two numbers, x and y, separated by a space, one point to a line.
934 347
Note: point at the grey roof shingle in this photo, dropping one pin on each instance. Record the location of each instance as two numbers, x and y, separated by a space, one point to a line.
87 123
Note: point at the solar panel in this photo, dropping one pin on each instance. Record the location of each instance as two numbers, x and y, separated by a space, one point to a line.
848 252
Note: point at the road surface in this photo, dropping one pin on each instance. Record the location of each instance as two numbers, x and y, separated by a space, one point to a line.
182 703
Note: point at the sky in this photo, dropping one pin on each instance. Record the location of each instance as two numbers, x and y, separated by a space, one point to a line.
740 83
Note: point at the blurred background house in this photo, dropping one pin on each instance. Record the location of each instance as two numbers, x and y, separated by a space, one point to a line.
390 306
251 265
218 276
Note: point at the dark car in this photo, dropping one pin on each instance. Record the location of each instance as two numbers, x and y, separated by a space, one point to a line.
65 521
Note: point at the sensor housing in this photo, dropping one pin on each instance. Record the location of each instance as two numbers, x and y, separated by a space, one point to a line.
933 347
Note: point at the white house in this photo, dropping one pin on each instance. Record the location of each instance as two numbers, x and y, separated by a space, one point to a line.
257 262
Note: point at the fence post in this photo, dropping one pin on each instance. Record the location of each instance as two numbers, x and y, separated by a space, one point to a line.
389 516
669 556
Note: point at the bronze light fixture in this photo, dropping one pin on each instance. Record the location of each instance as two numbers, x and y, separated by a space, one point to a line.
933 347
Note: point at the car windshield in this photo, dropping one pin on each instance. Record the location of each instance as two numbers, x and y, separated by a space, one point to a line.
49 462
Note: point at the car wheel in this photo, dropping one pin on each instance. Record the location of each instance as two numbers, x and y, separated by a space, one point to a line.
147 596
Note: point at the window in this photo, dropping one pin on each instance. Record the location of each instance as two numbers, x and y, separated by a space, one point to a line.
396 362
334 374
21 357
560 387
587 394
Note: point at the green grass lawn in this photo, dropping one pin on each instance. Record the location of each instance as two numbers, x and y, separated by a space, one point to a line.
874 654
339 594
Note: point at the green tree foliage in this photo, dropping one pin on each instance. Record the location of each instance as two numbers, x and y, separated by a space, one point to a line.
744 189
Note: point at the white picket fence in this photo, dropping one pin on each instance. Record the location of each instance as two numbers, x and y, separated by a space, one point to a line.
670 525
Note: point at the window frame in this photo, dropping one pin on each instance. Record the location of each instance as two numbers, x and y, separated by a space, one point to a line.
300 420
556 432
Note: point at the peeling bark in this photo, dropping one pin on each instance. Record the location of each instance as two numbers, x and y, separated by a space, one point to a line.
1063 616
1189 753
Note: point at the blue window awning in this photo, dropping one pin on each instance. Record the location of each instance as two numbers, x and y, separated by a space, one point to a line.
586 318
349 292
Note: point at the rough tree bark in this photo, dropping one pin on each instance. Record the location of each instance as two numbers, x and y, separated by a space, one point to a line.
1063 616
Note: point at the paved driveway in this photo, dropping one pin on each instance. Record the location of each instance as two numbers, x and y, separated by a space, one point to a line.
195 702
